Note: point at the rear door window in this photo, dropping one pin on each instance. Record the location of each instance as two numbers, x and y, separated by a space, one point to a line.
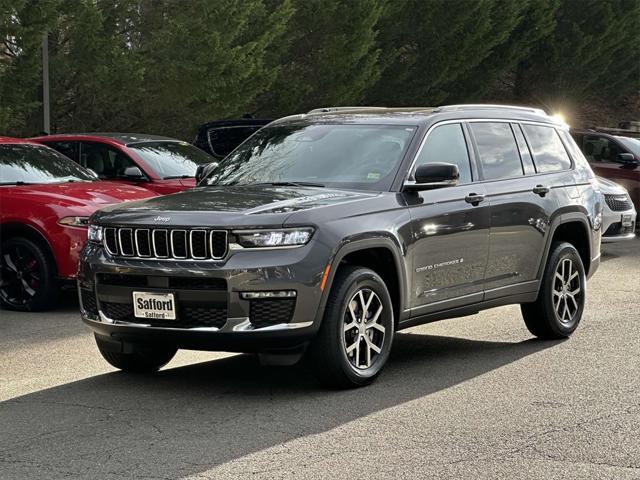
447 144
548 151
497 149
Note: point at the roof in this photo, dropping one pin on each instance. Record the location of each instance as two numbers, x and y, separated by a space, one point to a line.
121 138
6 140
419 115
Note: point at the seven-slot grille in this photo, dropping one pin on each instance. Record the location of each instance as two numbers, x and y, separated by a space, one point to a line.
195 244
618 203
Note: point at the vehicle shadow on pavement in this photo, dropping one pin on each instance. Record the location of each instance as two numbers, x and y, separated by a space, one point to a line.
189 419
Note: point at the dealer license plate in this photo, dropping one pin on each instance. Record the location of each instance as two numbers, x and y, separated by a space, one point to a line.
156 306
626 220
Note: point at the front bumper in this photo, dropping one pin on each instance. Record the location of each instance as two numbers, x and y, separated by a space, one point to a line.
211 311
612 228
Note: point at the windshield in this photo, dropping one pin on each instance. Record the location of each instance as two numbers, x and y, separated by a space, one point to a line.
172 159
26 163
350 156
632 144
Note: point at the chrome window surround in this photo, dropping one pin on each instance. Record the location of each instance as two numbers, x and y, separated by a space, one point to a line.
411 170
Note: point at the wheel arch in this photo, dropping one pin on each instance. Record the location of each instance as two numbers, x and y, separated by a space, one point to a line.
574 228
18 229
383 256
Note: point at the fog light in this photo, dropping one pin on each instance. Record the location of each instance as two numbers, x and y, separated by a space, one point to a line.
271 294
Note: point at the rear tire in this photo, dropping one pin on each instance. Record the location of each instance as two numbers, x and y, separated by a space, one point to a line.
27 276
354 340
149 359
560 304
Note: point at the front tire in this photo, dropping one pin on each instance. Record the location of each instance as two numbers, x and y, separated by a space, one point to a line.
356 334
27 276
148 359
560 304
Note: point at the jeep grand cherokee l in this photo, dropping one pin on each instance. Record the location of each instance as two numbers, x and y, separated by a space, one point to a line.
325 233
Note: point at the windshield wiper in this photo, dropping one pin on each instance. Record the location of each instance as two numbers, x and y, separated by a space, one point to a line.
18 183
289 184
170 177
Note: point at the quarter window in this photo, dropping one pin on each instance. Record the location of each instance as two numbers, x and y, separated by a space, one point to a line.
497 150
548 151
446 144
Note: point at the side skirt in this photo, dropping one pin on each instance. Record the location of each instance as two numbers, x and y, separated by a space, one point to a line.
470 309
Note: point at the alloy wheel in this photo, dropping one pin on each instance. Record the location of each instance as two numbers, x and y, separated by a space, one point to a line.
364 335
20 275
567 291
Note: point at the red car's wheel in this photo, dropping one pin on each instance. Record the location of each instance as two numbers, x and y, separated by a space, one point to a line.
27 276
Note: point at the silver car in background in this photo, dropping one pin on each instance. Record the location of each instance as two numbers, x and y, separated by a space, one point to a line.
619 215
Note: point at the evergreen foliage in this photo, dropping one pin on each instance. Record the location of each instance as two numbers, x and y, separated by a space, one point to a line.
165 66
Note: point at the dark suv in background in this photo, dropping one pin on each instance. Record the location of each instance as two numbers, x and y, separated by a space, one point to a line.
325 233
221 137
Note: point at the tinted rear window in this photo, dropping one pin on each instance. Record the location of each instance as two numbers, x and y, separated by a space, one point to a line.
497 149
549 153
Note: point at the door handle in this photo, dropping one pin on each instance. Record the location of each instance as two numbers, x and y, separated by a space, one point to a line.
474 199
541 190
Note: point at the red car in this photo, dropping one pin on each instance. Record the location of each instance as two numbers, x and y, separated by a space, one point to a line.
161 164
45 202
614 157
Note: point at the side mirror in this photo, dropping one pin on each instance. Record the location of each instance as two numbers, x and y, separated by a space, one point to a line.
434 175
627 159
204 170
133 173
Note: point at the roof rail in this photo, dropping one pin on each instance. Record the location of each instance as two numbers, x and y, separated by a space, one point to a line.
471 106
338 109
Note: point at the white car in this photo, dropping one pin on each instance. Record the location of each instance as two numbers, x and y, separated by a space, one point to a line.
619 215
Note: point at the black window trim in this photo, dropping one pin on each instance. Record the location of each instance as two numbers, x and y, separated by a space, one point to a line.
482 179
566 150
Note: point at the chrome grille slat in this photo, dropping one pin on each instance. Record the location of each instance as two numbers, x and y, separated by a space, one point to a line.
199 248
160 239
178 240
216 236
111 240
126 245
143 244
178 243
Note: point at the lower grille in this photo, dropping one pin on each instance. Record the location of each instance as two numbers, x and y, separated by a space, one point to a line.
89 304
122 279
618 203
117 311
180 283
263 313
188 316
617 229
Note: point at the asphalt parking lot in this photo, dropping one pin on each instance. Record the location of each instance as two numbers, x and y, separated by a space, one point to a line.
473 397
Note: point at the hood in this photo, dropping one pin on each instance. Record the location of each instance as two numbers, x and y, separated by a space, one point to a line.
609 187
84 195
231 205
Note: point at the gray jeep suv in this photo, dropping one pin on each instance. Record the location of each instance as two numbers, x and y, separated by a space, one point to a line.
325 233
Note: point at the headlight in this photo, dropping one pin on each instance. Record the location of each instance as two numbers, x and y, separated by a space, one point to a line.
95 234
74 221
290 237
